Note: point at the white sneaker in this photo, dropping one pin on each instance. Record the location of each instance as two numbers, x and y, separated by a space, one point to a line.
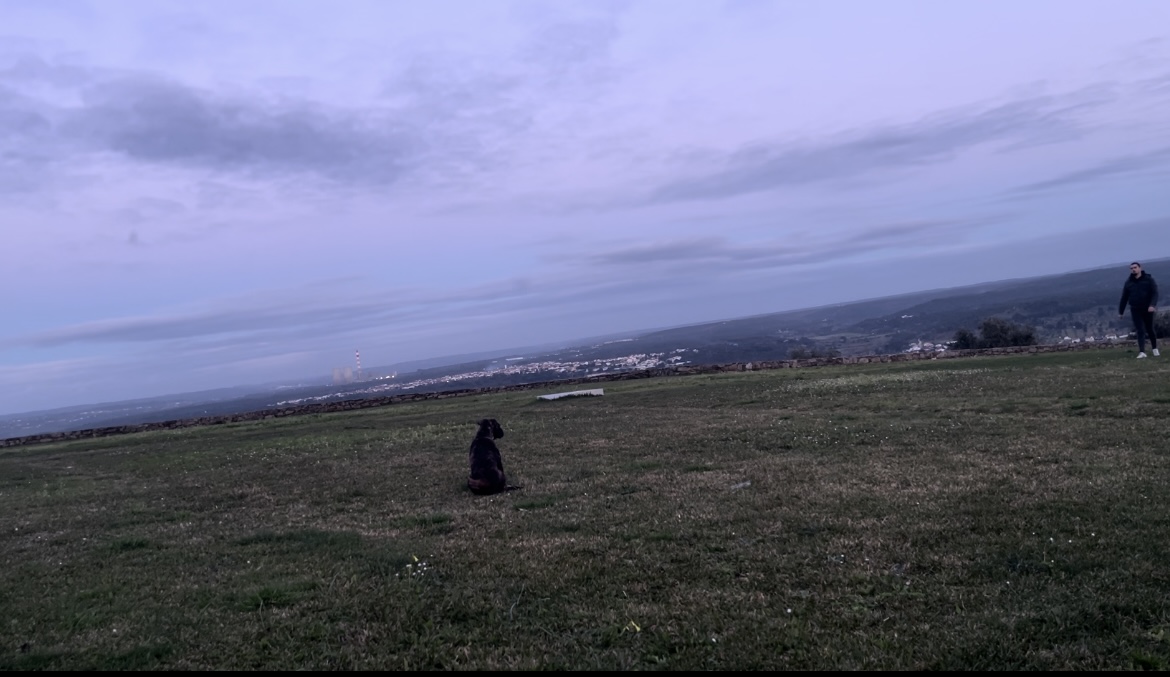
1141 355
1156 353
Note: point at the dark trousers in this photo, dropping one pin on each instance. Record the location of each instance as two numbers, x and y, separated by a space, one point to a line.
1143 322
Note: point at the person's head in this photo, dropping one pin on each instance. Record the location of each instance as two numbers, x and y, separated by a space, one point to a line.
1135 269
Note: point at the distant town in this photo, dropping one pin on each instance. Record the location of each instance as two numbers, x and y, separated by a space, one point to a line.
927 346
514 366
556 369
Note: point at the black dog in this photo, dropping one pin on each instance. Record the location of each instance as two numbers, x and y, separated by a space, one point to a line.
487 468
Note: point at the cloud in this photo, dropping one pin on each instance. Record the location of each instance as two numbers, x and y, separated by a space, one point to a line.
442 117
1128 165
33 70
479 104
285 313
797 249
463 111
440 121
1159 85
18 117
160 121
571 51
936 138
27 152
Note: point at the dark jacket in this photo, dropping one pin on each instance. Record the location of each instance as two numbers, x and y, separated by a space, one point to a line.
1140 293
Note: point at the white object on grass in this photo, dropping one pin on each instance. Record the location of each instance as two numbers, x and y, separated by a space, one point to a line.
575 393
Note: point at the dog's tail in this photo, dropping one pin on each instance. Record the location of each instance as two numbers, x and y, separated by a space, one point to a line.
511 488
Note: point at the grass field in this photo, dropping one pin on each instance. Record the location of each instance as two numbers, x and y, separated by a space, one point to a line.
985 513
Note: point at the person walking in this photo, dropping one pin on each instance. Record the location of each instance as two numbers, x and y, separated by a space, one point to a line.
1141 293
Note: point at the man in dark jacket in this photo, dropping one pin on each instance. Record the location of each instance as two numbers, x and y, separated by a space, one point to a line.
1141 292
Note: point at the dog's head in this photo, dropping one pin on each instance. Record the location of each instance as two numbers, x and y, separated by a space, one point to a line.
489 427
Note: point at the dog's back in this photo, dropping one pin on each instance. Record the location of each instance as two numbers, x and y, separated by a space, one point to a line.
487 467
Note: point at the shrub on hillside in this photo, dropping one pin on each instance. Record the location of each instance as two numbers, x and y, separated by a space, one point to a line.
803 353
995 332
965 340
1162 326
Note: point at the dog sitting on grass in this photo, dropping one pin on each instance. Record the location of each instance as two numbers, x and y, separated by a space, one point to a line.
487 468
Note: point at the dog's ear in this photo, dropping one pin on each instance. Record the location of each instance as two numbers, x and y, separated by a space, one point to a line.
497 431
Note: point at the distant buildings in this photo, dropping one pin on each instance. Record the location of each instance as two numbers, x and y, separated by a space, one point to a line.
561 369
1094 339
926 346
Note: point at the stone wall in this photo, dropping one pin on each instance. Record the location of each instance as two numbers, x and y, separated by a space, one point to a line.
680 370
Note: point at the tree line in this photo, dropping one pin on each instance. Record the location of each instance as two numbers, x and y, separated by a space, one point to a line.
995 332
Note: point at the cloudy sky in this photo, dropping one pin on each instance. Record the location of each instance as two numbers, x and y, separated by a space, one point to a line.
215 193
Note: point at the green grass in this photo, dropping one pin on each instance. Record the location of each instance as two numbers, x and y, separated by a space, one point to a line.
986 513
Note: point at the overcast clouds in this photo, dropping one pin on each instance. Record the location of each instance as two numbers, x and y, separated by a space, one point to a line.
195 195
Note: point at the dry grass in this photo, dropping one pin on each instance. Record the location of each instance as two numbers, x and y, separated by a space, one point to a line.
996 513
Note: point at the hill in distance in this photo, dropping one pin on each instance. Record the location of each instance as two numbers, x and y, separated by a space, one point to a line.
1076 304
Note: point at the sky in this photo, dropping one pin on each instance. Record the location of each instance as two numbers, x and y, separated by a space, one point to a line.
202 195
